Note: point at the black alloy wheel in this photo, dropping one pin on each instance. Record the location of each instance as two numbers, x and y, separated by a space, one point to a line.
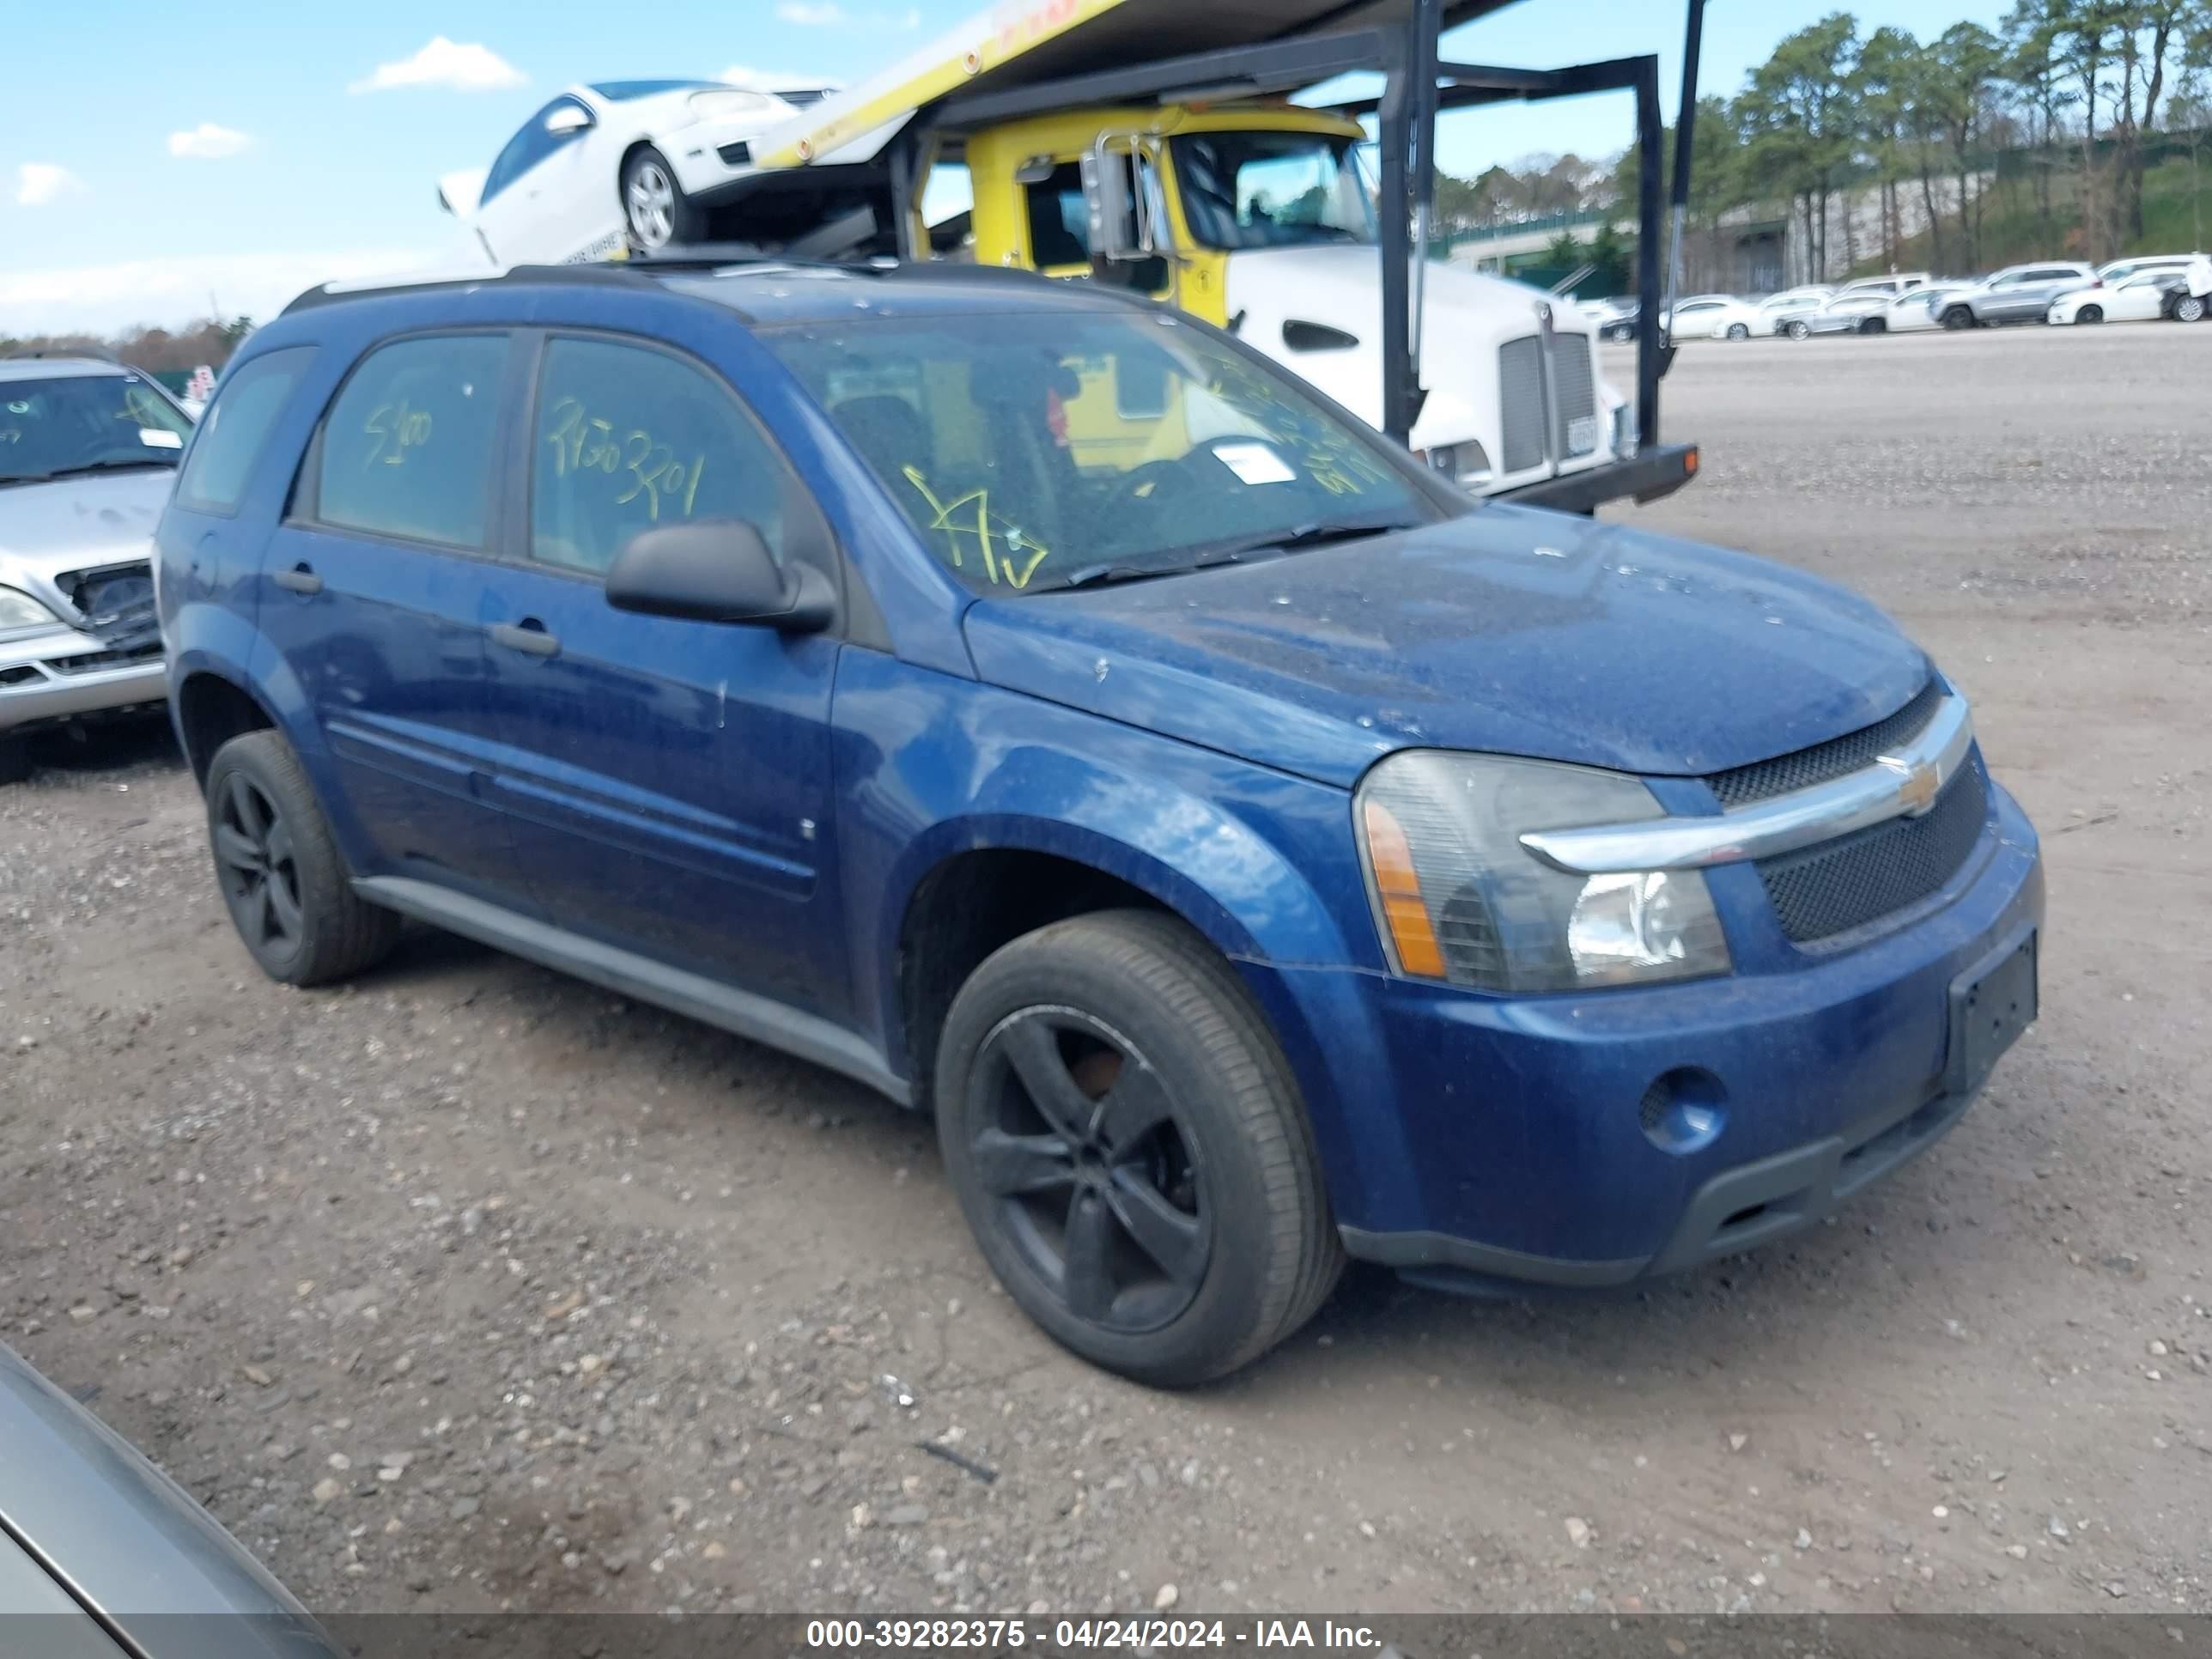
1076 1140
255 863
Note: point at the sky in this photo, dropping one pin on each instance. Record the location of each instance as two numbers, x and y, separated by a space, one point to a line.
163 162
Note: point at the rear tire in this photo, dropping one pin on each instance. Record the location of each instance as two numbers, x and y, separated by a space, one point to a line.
282 879
1958 317
1129 1144
656 212
2188 308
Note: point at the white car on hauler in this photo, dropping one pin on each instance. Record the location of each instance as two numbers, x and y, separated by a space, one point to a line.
613 165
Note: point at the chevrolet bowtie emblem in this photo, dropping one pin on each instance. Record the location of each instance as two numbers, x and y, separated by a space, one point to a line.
1917 784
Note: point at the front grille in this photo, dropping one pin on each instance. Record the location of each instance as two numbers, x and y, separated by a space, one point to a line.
91 662
1870 874
1520 391
1574 388
117 602
1825 761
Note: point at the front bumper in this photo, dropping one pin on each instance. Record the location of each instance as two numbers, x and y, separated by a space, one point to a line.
1659 469
1470 1138
52 677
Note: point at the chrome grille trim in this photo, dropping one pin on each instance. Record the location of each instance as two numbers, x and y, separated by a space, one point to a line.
1904 783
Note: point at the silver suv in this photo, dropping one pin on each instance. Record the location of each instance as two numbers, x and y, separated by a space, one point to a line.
88 452
2017 293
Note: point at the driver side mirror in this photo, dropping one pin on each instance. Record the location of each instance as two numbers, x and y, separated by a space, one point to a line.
718 571
566 119
1121 232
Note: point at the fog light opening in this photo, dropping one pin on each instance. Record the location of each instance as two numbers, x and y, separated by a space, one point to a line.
1684 1110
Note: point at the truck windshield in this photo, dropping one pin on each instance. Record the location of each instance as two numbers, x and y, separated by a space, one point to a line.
1040 450
1259 189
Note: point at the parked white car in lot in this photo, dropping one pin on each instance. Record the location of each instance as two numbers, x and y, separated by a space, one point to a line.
2120 269
1777 309
1715 317
615 163
1922 309
2138 299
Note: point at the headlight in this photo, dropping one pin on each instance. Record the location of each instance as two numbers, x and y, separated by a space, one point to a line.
1458 898
1466 465
21 613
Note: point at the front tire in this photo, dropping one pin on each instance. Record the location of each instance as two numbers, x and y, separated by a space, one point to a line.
2090 314
1873 325
1738 332
655 209
1127 1143
1958 317
284 880
1798 330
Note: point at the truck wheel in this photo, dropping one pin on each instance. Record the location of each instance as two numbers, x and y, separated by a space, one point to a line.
282 877
1958 317
1129 1144
654 206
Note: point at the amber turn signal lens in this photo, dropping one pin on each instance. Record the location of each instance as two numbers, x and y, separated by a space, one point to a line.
1400 889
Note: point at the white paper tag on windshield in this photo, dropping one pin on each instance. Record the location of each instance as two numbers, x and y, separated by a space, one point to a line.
1253 464
154 438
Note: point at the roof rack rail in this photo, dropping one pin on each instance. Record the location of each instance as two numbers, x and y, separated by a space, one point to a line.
325 294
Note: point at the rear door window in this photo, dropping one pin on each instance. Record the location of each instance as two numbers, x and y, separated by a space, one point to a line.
409 449
235 430
628 438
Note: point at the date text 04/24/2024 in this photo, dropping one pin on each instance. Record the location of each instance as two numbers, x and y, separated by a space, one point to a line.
1138 1634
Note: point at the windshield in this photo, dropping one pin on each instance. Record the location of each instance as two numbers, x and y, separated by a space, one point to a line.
85 423
1041 450
1242 190
623 92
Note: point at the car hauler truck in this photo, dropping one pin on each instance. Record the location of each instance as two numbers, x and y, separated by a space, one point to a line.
1153 144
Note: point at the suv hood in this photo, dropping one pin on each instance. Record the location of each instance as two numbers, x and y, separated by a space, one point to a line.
1509 630
74 523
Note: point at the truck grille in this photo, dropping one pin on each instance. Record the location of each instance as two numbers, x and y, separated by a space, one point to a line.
1547 416
1575 386
1521 389
1875 872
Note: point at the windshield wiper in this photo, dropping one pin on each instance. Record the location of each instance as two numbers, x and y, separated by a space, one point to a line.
114 463
1099 576
1320 533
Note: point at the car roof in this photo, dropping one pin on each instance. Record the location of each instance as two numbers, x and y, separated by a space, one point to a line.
45 369
770 292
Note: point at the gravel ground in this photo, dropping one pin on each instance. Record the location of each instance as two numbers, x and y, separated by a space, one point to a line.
470 1287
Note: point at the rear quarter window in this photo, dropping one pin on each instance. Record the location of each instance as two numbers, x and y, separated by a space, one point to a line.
235 430
410 446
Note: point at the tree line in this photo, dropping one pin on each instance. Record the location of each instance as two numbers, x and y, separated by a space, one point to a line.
2080 96
156 350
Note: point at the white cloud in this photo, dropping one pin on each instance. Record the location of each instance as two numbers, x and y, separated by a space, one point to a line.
814 14
471 67
38 183
208 142
753 80
912 21
102 298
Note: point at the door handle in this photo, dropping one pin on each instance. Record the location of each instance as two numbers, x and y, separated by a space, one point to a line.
528 637
300 580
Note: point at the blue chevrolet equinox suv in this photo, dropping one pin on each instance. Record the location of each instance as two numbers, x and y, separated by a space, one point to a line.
1038 706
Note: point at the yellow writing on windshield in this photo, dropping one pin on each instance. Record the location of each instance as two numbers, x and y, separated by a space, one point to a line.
396 429
584 442
1013 564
